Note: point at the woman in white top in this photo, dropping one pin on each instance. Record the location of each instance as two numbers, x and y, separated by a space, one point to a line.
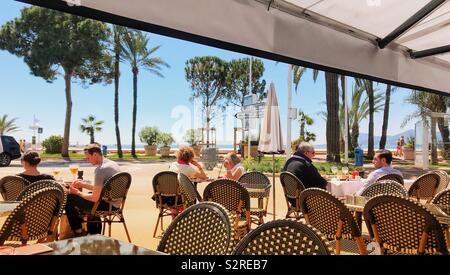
187 165
234 167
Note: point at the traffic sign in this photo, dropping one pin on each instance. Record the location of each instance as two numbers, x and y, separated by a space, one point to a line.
40 130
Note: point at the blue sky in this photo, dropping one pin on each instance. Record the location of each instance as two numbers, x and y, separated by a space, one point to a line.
23 95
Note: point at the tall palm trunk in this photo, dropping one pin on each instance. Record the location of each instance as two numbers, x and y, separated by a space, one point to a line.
302 130
133 130
443 128
91 134
116 98
370 142
67 80
385 117
332 133
355 134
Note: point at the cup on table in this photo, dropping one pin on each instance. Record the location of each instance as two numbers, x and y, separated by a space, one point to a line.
56 172
74 170
360 200
349 199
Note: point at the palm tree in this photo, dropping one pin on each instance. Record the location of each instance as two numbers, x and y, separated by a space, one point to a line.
427 103
91 126
387 102
118 38
358 111
303 118
7 126
332 99
135 51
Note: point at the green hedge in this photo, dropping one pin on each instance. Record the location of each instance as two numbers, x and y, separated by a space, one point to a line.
53 144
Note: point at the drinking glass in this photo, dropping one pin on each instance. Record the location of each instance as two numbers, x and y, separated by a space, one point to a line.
74 170
344 170
334 170
56 172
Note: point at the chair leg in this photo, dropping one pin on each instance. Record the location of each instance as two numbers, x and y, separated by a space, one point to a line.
109 228
156 227
126 231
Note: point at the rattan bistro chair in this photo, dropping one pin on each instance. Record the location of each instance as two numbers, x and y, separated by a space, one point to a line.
333 219
115 189
394 177
292 188
404 226
167 196
424 187
284 237
11 186
34 217
235 198
258 187
39 185
188 191
384 187
443 180
443 198
202 229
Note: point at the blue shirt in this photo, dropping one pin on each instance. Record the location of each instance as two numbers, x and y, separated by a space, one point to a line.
376 174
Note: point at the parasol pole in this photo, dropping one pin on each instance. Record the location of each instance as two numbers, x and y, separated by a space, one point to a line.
273 183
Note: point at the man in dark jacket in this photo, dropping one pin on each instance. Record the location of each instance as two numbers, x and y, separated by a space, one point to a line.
300 164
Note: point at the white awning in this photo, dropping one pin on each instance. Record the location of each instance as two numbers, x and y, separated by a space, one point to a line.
334 35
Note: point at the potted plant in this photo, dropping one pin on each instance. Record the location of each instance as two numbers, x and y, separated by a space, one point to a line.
192 139
149 135
408 149
166 139
253 148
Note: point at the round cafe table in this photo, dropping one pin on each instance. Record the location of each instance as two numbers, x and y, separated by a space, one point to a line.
342 188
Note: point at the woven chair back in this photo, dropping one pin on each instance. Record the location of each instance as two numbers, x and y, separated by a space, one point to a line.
39 185
228 193
384 187
284 237
32 218
116 187
166 183
400 223
394 177
424 187
202 229
256 180
443 199
11 186
188 190
443 180
324 211
291 184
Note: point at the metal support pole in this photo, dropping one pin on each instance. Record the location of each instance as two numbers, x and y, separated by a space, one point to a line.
249 92
289 119
346 121
273 184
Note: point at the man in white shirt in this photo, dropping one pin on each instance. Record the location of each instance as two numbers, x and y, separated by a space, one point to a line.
382 162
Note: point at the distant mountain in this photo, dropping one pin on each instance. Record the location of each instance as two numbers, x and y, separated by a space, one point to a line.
391 141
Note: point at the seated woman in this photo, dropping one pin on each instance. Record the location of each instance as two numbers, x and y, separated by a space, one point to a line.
30 161
234 167
187 165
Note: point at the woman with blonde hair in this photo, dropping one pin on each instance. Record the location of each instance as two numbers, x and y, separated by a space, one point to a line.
187 165
234 167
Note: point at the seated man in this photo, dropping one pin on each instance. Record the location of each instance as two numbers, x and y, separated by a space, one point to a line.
79 202
382 162
300 164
